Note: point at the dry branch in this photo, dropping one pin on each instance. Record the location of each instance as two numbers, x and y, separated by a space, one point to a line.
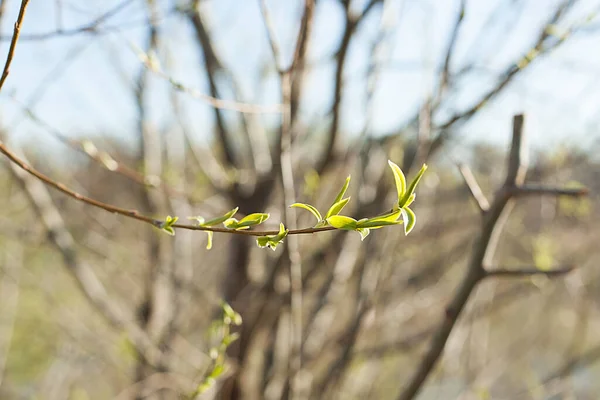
481 258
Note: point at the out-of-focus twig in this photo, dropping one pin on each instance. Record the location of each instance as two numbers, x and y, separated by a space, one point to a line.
474 187
525 272
481 258
13 42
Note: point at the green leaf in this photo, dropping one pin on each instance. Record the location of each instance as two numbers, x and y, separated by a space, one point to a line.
246 222
253 219
364 232
410 220
262 241
412 187
343 191
167 225
381 221
410 200
209 240
218 220
336 208
342 222
227 340
310 208
217 371
400 180
272 241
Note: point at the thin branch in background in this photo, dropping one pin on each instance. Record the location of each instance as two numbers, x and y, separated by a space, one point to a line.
481 258
474 188
13 42
445 74
85 277
351 24
536 52
151 64
91 27
526 272
287 76
541 190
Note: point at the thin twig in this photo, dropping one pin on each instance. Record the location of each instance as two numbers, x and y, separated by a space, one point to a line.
13 42
474 187
213 101
525 272
481 258
541 190
287 76
134 214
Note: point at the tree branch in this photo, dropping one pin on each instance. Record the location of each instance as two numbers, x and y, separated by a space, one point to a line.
474 188
541 190
481 257
528 271
13 42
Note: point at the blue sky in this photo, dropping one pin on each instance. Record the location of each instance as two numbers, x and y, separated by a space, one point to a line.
86 79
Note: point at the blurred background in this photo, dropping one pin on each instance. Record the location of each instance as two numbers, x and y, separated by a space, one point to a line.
175 108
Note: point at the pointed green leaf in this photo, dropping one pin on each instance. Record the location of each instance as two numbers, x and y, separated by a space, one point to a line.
413 186
336 208
169 230
167 225
209 240
231 223
272 241
364 232
342 222
282 233
218 220
343 191
399 178
410 220
381 221
410 200
262 241
253 219
310 208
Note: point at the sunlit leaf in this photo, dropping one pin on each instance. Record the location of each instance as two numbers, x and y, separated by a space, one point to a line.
413 186
218 220
381 221
410 200
336 208
253 219
167 225
343 191
246 222
399 178
272 241
364 232
310 208
209 240
410 220
342 222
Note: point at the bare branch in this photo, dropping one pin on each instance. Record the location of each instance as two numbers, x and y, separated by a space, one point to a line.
474 187
13 42
542 190
91 27
287 76
450 52
352 23
482 254
87 280
538 49
527 271
213 101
